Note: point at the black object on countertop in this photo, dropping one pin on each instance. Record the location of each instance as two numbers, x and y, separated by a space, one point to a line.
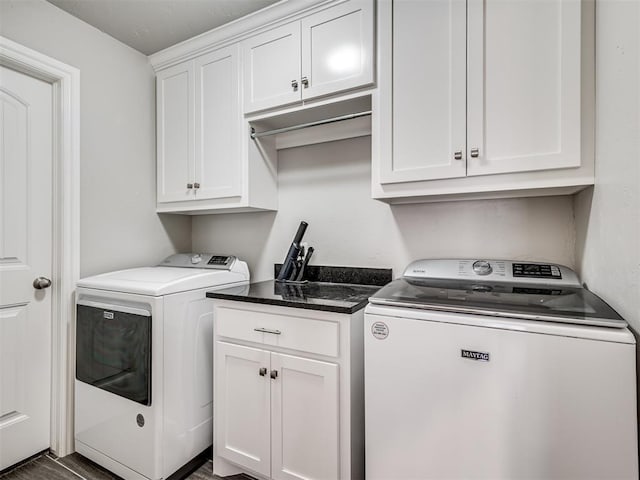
290 267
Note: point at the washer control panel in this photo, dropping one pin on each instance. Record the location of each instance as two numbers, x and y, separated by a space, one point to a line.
199 260
512 271
536 270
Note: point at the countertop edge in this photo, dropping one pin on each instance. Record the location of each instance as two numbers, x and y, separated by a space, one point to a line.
283 303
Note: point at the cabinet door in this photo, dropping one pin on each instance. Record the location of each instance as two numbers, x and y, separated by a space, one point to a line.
337 49
242 406
305 417
429 91
218 165
272 68
524 85
175 130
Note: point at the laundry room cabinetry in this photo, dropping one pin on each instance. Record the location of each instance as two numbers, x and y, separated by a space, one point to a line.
499 102
324 53
205 162
287 392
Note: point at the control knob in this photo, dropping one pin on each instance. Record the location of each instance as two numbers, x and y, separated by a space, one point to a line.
482 267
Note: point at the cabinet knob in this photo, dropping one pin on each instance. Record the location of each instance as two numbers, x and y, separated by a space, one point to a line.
475 152
189 186
274 374
294 85
263 371
305 82
196 185
457 155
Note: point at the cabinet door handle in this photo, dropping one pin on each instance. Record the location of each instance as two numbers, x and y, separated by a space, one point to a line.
196 185
274 374
475 152
294 85
263 371
189 186
457 155
266 330
305 82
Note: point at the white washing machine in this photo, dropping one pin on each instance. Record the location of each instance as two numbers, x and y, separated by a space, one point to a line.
144 363
497 370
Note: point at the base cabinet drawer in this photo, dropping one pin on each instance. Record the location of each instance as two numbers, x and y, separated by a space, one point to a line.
286 331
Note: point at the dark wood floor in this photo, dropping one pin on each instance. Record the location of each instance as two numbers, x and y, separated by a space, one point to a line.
75 466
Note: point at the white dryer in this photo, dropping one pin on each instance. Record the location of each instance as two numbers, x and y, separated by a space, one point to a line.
497 370
144 363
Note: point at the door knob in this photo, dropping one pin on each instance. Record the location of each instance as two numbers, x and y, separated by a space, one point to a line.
41 282
274 374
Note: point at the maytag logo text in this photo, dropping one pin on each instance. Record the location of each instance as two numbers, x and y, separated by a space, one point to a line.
482 356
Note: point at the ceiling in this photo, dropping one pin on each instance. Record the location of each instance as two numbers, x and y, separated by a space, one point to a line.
152 25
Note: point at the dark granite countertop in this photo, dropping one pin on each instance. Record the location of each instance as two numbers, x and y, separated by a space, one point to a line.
326 295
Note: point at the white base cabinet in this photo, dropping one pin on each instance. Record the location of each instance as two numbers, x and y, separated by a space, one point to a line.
288 392
499 102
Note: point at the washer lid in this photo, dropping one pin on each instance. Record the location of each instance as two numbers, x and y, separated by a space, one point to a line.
513 300
156 281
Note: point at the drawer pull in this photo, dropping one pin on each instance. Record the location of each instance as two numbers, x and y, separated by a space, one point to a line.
274 374
266 330
263 371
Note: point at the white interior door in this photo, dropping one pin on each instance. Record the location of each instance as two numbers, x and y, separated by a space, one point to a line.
25 254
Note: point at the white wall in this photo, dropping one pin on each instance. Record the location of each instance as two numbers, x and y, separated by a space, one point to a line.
608 216
328 185
119 227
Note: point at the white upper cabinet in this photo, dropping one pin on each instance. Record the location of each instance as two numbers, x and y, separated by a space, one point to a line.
337 49
218 150
272 68
175 131
206 162
483 99
321 54
523 85
429 103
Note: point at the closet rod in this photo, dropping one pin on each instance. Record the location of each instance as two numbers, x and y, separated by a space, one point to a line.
349 116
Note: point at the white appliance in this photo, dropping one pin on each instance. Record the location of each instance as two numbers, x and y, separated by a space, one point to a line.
497 370
144 363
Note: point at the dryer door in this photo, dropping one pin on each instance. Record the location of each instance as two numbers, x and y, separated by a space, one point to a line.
113 349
